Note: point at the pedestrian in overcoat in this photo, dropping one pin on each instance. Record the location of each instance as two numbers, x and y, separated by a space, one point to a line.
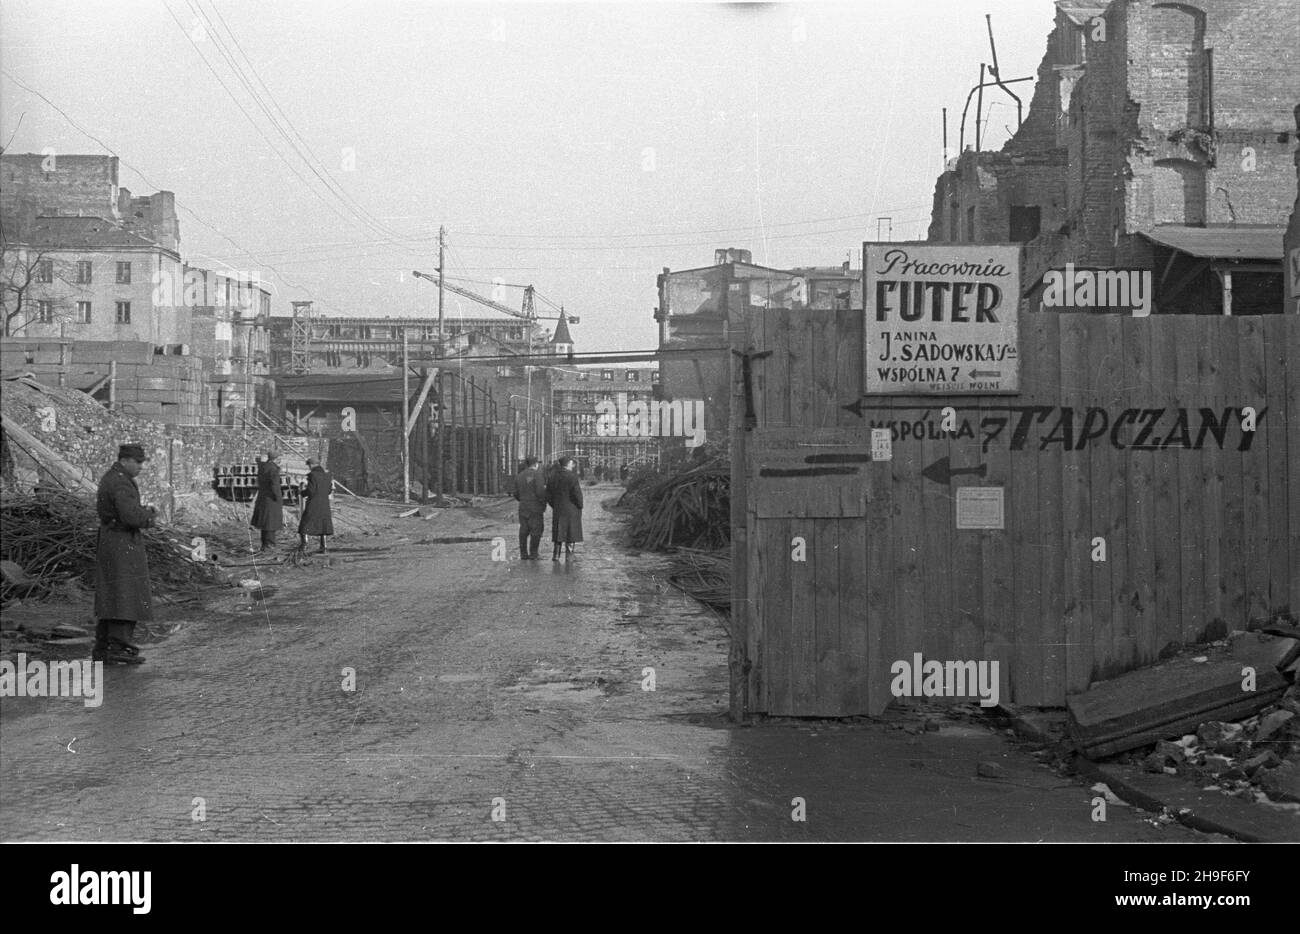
316 518
268 509
530 490
564 493
122 592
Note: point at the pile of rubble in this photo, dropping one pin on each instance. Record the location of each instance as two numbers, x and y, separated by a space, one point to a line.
1260 755
1227 719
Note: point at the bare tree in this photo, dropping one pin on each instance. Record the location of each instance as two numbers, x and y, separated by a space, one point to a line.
20 282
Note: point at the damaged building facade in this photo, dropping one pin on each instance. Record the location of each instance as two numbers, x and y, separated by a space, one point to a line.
1159 138
88 266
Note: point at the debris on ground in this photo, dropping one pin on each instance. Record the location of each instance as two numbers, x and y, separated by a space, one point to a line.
688 506
1164 701
51 536
704 575
1194 719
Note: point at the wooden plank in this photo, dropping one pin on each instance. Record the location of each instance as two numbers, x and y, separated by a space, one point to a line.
1052 634
966 625
849 325
855 618
1232 570
1282 563
1139 496
1112 630
802 377
996 570
802 619
1293 451
909 574
1077 531
1166 331
1254 466
1026 527
778 649
1209 376
832 663
936 545
882 622
741 670
777 369
825 372
1191 481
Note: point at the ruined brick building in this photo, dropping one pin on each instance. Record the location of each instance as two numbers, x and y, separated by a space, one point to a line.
86 265
1159 137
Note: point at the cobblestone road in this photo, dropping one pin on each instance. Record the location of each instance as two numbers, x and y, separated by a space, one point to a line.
493 701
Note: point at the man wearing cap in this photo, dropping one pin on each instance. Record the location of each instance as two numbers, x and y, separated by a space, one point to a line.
268 510
122 595
316 519
530 490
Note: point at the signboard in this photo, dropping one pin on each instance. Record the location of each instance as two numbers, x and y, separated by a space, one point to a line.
980 507
941 318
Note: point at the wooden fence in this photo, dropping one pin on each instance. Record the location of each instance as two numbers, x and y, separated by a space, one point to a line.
1127 433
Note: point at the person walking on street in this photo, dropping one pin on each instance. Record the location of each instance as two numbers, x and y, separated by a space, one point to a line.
122 593
565 496
316 518
530 490
268 510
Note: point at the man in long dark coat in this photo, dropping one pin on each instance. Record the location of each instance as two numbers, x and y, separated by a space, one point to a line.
268 510
530 490
316 518
122 594
564 493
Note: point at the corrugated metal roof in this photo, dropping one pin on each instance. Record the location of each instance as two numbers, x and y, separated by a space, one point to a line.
1221 242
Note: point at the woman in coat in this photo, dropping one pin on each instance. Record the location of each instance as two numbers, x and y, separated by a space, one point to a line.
316 518
268 510
564 493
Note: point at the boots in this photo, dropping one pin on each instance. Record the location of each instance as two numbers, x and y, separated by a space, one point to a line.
113 644
555 555
569 554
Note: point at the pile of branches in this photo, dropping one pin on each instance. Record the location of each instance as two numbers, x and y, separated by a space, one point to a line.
689 507
704 575
52 535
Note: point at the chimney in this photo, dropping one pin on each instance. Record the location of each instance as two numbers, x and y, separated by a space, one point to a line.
732 255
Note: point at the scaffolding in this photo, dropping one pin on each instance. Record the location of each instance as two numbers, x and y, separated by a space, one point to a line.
300 339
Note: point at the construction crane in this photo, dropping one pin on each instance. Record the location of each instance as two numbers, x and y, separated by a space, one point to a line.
528 312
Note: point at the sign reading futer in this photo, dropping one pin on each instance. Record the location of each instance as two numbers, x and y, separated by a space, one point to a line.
941 318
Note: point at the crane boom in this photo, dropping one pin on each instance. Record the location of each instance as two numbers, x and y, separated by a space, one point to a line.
482 300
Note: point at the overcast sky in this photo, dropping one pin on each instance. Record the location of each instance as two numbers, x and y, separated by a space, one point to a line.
577 147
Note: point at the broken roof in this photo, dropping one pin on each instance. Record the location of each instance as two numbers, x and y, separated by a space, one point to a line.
1081 12
83 232
1258 242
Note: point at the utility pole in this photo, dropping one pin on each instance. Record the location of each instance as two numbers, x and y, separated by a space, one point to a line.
442 471
406 419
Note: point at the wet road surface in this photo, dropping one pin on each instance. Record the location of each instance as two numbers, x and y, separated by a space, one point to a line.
492 700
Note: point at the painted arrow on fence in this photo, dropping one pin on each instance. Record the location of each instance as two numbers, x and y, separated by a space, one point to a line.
985 374
942 471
